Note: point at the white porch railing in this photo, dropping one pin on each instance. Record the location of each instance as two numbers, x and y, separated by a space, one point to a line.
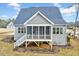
20 41
39 37
23 39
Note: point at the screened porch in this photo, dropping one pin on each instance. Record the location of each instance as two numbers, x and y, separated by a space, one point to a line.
39 32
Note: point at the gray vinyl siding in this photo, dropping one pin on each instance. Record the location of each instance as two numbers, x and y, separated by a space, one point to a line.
38 20
53 14
17 35
57 39
60 39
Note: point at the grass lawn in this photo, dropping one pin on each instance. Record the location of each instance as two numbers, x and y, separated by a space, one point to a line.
6 49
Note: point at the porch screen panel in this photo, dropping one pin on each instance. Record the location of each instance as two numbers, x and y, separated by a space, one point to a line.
41 32
35 32
48 32
29 32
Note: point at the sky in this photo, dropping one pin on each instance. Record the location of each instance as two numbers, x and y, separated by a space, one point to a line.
11 10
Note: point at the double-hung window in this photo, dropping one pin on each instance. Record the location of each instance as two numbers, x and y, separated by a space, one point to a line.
57 30
61 30
21 30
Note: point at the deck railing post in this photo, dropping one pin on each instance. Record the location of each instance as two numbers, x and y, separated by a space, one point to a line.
44 32
32 32
38 33
51 37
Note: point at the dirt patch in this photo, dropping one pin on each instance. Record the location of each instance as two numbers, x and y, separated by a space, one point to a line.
38 50
7 35
43 49
8 39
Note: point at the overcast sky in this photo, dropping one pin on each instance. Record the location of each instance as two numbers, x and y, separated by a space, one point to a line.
11 10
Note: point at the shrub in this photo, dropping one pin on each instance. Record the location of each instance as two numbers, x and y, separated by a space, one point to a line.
68 39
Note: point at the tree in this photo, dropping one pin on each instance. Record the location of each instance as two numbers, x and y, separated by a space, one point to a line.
3 23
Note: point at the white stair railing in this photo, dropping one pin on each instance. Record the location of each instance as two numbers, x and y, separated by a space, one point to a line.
20 41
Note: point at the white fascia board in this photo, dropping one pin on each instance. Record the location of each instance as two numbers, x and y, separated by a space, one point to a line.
38 25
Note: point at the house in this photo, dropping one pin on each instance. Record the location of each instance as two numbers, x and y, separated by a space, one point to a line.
77 24
11 25
71 27
77 29
40 24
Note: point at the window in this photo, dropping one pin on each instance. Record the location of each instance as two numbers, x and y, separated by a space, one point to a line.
61 30
57 30
21 30
54 29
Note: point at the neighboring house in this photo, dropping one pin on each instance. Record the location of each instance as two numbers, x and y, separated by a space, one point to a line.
44 24
71 31
11 25
77 24
77 29
71 27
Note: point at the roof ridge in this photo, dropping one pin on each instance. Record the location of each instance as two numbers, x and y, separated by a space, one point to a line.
41 7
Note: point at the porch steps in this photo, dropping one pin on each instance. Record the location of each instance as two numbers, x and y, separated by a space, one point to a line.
20 41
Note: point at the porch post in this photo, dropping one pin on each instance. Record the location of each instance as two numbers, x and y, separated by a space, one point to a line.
44 32
38 32
32 32
26 37
51 37
51 33
38 36
26 33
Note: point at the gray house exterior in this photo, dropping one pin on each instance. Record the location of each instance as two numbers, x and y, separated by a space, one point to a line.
40 24
11 25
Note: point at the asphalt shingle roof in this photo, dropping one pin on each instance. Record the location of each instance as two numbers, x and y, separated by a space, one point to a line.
52 13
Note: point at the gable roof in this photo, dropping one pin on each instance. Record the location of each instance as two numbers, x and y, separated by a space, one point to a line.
52 13
11 23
